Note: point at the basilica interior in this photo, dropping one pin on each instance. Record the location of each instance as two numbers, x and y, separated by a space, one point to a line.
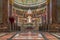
29 19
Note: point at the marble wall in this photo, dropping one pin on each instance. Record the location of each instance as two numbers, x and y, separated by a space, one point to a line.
0 11
58 11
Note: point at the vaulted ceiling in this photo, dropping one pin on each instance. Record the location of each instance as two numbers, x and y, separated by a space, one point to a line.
22 6
29 4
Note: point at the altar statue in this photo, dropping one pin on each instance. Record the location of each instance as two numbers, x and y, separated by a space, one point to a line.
29 19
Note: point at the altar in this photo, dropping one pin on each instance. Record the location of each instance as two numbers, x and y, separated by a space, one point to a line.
29 27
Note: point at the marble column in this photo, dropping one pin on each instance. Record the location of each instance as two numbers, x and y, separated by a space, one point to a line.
54 11
5 11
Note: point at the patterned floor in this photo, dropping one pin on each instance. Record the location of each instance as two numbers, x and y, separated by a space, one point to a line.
2 34
29 36
6 36
56 35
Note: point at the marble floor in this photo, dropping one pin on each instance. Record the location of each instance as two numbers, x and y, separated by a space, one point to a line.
29 36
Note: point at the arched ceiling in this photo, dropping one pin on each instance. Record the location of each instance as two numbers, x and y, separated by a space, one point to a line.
29 3
32 4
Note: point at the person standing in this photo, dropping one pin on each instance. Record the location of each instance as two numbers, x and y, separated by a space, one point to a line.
11 19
